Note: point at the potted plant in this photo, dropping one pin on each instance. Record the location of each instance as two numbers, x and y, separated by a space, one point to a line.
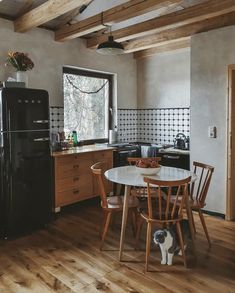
22 63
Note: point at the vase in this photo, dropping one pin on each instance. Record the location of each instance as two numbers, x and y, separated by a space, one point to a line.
22 76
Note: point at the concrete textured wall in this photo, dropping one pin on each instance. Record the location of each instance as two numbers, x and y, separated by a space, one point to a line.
49 57
211 53
164 80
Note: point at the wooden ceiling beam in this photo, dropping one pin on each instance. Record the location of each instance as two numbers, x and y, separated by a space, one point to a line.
46 12
169 35
116 14
174 45
189 15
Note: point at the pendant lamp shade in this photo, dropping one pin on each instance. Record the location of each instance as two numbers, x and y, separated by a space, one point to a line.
110 47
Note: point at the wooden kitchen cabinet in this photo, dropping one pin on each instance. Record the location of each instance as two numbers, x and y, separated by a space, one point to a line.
74 181
107 159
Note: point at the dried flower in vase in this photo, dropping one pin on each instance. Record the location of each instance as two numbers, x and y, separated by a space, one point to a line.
20 61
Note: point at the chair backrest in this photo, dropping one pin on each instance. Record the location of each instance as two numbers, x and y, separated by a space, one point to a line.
134 160
199 188
168 206
97 170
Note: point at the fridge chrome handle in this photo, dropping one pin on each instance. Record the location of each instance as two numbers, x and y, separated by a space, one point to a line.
1 140
42 139
40 121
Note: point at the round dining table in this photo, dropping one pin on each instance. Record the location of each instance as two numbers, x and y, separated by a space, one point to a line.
131 176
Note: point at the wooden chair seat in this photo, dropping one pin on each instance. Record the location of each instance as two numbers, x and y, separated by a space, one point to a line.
162 217
194 203
113 204
116 203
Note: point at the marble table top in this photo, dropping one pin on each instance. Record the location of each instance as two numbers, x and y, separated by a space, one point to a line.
130 175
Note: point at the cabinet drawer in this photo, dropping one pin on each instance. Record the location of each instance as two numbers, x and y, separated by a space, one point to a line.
76 181
71 196
73 159
75 168
103 156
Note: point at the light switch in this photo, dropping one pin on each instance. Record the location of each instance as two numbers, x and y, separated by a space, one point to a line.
212 131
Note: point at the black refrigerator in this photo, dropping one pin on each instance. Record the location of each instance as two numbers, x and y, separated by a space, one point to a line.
25 167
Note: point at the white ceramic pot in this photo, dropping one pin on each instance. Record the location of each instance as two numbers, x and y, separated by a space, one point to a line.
22 76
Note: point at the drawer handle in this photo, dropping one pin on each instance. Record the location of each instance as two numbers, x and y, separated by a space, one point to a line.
75 179
75 166
171 157
75 191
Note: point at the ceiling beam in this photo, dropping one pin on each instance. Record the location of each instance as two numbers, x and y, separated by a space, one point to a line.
174 45
116 14
46 12
189 15
169 35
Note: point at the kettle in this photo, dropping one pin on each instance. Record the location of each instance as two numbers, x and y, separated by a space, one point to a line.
180 141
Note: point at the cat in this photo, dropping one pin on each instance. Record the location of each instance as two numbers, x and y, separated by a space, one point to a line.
166 240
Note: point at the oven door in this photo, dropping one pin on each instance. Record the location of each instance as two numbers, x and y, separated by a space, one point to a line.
120 158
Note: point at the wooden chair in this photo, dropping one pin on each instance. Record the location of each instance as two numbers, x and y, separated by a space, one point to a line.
113 204
134 160
162 212
140 191
199 190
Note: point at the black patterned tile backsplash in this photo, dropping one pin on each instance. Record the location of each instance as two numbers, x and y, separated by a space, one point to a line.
56 119
127 125
158 125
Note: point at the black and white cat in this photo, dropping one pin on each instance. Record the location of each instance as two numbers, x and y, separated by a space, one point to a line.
166 240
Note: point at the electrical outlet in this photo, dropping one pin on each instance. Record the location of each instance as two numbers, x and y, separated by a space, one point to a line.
212 132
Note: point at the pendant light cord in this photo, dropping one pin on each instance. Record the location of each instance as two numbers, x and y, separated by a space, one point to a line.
82 91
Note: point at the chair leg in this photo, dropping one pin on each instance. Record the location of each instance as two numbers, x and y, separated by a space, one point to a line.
148 245
134 215
106 227
103 223
194 227
138 231
180 236
204 226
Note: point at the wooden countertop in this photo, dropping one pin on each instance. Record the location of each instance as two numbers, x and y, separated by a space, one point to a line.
82 149
175 151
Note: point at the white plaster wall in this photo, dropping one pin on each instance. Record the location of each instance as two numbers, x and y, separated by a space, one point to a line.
211 53
164 80
49 57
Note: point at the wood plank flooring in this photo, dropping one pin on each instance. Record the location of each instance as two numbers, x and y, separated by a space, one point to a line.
66 258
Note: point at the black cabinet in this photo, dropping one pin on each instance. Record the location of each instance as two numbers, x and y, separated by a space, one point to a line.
175 160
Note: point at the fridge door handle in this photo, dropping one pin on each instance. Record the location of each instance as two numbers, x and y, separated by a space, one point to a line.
40 121
1 140
41 139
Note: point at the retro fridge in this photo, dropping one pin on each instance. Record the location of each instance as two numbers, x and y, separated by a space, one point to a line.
25 162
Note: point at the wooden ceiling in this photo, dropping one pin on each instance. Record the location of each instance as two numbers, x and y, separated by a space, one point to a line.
171 29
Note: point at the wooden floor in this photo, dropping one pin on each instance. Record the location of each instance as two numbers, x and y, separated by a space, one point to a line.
66 258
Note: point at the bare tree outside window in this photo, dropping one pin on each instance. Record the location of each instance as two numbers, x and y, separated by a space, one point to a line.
86 106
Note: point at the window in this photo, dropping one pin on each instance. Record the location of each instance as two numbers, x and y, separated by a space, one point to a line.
87 104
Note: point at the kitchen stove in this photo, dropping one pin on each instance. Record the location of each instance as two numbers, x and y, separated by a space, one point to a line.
123 151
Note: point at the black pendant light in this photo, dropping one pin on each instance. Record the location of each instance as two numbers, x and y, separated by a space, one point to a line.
110 47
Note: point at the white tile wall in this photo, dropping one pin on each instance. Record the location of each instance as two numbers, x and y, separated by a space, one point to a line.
158 125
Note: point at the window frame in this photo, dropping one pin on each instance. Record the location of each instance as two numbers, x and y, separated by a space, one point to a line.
96 74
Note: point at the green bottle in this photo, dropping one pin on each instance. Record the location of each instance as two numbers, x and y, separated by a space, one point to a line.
75 138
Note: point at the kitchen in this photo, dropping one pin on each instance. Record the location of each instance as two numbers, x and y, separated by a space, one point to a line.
192 78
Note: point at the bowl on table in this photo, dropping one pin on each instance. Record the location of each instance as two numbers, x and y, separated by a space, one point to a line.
148 171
